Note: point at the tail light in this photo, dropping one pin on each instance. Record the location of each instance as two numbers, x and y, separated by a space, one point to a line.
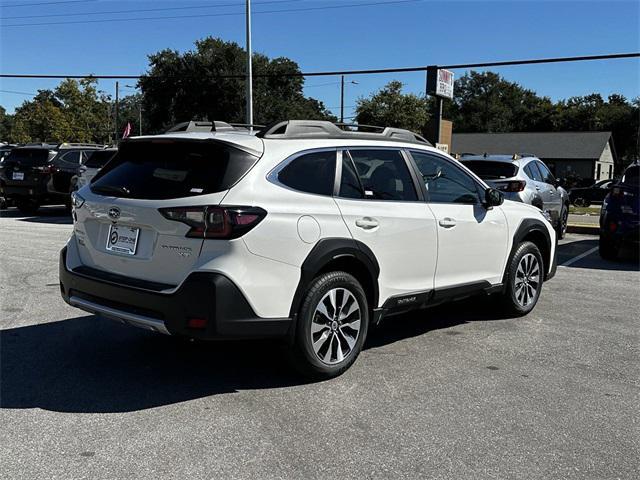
214 221
514 186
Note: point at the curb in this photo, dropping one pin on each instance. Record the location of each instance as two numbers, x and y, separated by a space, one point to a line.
591 229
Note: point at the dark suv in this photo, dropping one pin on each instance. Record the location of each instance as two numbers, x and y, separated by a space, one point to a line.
36 175
620 215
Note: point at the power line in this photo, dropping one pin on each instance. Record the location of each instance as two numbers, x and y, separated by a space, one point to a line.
353 72
288 10
236 4
46 3
19 93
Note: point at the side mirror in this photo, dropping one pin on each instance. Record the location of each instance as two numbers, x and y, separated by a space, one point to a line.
558 182
493 197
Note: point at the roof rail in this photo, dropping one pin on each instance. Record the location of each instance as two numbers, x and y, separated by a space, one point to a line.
75 145
200 126
326 129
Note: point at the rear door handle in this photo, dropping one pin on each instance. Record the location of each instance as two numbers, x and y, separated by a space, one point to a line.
447 222
367 223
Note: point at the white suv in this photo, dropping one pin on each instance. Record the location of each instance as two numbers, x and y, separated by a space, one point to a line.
304 231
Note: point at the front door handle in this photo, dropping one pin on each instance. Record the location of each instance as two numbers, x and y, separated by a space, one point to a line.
447 222
367 223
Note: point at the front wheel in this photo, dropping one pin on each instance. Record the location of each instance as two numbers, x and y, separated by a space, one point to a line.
332 325
524 279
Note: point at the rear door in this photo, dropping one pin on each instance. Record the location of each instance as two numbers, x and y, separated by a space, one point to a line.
472 239
64 167
381 207
551 195
120 227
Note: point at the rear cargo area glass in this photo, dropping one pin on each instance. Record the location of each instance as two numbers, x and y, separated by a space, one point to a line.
491 170
100 158
29 157
165 169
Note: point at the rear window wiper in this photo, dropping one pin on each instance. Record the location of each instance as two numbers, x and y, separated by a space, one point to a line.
108 189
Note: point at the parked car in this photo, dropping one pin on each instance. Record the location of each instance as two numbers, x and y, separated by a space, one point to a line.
304 232
40 174
526 179
620 214
96 160
585 196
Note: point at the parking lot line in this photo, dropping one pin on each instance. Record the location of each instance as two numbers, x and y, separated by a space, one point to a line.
573 260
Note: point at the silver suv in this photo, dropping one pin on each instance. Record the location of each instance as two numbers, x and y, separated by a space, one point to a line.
524 178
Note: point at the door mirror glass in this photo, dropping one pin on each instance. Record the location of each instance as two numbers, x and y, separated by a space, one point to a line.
493 197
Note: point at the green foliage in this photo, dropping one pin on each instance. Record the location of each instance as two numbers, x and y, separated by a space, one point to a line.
182 87
73 112
390 107
6 123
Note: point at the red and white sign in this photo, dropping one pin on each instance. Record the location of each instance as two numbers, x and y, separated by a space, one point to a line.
444 87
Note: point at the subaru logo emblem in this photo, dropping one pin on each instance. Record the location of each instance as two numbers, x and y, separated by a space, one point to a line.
114 213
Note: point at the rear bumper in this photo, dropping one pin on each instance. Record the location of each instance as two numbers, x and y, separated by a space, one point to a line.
209 296
28 191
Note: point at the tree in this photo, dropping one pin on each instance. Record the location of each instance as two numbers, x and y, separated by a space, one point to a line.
6 123
390 107
181 87
73 112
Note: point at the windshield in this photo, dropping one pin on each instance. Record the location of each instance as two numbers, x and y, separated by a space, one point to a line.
99 158
31 157
488 170
167 168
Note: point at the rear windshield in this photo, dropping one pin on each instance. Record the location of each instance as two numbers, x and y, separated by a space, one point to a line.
631 177
488 170
31 157
99 158
163 169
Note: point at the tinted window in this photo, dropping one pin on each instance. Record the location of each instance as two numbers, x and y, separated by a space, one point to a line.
71 157
350 186
99 158
445 182
312 173
384 175
162 169
29 156
631 176
547 176
488 170
532 172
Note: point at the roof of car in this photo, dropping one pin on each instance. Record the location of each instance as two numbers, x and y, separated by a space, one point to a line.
518 160
242 139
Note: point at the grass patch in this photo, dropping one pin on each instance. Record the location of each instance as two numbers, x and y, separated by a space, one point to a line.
584 210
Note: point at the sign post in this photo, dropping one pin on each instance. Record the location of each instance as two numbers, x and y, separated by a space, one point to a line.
440 86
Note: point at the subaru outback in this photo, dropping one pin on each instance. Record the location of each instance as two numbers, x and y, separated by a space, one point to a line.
305 231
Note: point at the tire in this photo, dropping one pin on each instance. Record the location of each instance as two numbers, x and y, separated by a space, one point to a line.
607 248
3 203
525 276
338 339
563 221
27 207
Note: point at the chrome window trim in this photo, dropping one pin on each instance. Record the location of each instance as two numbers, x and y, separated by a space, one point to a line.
272 176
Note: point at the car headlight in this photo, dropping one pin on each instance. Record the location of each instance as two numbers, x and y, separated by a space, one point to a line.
76 200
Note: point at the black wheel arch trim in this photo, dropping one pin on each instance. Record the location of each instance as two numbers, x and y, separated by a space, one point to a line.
527 226
327 250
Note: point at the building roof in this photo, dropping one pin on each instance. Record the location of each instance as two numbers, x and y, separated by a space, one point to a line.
557 145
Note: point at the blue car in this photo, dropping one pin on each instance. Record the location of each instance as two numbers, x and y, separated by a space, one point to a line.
620 215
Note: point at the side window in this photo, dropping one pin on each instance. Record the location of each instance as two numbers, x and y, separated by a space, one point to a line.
72 157
547 176
383 174
311 173
350 186
445 182
532 172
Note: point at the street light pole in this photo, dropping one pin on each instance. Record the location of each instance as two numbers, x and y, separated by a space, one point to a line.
353 82
249 86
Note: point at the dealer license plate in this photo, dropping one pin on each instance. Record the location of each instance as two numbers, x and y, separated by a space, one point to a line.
123 239
18 175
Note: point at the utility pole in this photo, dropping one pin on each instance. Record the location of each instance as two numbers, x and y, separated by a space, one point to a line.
116 112
353 82
249 85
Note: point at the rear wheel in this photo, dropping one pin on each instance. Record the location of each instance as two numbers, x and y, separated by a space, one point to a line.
608 248
524 279
581 202
563 221
332 325
28 207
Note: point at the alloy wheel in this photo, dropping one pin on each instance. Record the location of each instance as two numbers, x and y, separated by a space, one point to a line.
527 280
335 326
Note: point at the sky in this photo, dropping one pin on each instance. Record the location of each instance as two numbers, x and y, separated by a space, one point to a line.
329 35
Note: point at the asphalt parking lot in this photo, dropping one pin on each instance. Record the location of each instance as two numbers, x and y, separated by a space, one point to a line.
453 392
